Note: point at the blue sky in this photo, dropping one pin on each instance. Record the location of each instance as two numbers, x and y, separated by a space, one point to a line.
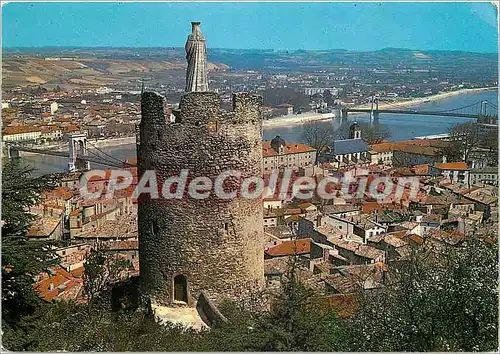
353 26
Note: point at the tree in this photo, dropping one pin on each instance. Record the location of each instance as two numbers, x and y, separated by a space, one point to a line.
277 96
328 98
371 134
442 298
451 152
19 192
101 272
342 131
374 134
490 142
296 321
22 259
464 138
318 135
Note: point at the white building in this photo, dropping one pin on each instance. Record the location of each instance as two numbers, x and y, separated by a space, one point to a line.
453 171
314 90
486 175
51 133
21 133
279 154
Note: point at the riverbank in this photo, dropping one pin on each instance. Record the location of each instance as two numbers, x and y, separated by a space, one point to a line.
308 117
128 140
294 120
433 98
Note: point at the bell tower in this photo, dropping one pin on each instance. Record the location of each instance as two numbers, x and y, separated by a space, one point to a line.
355 131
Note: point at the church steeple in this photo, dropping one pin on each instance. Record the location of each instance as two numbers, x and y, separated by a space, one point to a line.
355 131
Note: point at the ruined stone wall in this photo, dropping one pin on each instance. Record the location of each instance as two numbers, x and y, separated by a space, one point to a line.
188 236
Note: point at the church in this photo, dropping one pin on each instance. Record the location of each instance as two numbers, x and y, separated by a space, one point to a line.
353 151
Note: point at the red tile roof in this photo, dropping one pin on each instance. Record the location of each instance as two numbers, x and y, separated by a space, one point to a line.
19 130
78 272
289 148
452 166
59 193
288 248
421 170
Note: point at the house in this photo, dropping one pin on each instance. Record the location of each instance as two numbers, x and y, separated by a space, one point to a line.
278 154
285 109
411 155
308 207
357 227
484 199
272 203
51 133
349 279
21 133
276 216
59 284
346 248
73 257
301 247
394 246
342 210
453 171
407 152
427 223
382 153
47 228
485 175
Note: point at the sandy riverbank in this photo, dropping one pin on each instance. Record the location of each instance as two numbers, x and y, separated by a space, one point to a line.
129 140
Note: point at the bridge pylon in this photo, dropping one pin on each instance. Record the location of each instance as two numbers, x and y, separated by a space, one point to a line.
484 105
374 113
344 115
10 151
77 144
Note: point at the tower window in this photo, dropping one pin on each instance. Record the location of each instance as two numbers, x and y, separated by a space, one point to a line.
226 226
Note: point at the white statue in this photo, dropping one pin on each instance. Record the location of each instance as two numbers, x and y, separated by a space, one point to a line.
196 55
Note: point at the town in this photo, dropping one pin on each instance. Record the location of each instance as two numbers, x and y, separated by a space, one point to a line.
205 111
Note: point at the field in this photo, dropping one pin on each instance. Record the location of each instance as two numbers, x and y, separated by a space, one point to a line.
68 72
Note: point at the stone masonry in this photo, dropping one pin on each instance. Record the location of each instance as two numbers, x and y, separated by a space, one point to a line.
216 244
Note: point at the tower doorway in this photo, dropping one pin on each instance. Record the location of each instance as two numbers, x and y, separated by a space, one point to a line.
180 288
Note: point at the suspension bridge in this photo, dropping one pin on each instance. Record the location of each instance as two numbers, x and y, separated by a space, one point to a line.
474 110
80 156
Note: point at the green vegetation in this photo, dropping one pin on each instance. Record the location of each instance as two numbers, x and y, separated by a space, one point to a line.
21 259
442 298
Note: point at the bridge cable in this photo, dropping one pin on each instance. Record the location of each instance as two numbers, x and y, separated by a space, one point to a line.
395 105
106 154
104 161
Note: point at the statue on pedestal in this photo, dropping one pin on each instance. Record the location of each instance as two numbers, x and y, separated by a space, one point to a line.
196 55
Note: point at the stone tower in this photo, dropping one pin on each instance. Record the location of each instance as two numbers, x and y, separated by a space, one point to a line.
189 245
196 55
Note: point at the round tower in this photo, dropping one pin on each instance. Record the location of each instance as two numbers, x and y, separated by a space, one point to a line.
189 245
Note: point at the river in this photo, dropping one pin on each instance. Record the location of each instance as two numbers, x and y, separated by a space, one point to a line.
401 126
